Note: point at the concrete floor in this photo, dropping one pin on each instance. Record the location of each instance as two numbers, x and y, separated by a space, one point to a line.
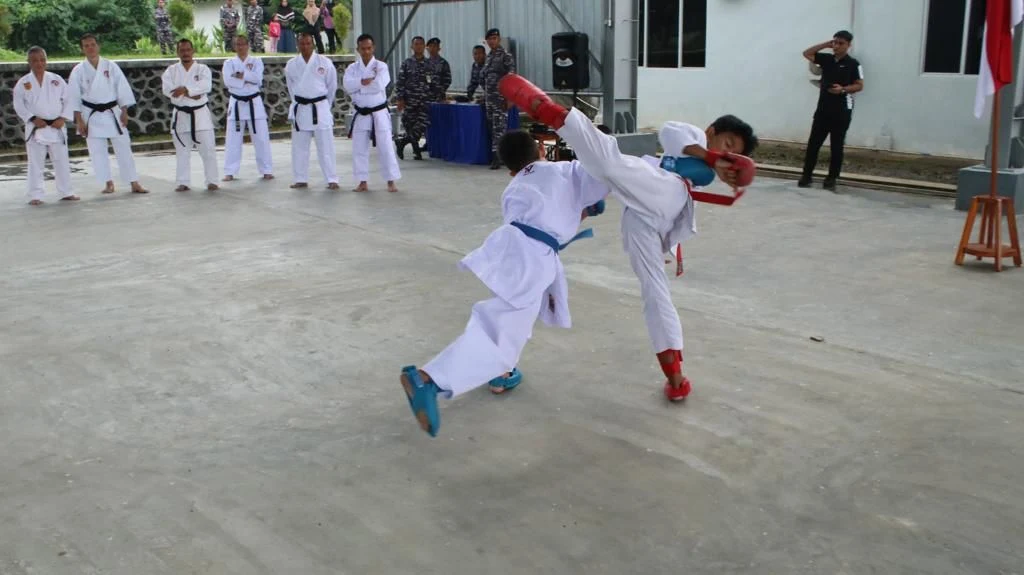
207 383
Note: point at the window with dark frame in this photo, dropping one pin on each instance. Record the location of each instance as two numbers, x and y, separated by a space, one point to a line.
953 36
673 33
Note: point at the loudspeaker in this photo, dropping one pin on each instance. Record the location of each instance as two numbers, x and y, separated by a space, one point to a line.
570 61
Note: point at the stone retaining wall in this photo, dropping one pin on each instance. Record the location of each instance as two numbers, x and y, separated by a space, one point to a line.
152 113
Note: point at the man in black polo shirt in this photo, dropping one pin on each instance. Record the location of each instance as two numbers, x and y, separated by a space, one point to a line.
841 77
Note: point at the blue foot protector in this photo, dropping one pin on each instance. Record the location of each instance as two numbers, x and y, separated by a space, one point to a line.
422 399
502 384
596 209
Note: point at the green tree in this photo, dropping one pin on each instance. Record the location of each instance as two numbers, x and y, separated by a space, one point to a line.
342 20
182 16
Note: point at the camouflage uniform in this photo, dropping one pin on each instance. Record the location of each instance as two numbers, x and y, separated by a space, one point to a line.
163 31
476 77
229 19
254 27
441 74
498 63
414 87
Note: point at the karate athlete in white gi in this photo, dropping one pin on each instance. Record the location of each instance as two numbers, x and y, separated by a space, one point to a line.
312 84
519 263
366 81
41 100
243 77
659 211
101 96
187 83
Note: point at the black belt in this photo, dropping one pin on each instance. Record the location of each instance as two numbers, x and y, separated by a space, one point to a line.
48 123
107 106
367 112
305 102
252 109
191 111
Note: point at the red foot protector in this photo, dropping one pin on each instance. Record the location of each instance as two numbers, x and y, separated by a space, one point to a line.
674 367
532 100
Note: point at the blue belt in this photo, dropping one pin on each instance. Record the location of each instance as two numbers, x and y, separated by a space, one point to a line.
549 240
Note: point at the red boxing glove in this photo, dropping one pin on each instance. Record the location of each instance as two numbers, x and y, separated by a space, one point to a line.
744 167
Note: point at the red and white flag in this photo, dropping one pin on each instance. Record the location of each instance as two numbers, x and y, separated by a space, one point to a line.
996 68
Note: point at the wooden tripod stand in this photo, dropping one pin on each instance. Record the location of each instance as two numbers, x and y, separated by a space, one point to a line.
990 243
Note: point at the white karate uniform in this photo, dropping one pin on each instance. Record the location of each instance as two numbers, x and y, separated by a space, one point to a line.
312 79
371 96
46 100
524 275
658 212
103 84
254 117
199 81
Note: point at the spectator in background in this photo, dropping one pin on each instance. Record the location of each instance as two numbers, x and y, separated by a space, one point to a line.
274 33
441 71
313 24
163 28
254 26
476 72
497 64
286 17
327 13
841 77
229 19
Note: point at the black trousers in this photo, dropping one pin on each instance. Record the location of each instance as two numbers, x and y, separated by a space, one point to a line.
834 124
332 39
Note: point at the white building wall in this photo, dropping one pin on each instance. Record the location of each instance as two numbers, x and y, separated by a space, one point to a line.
755 70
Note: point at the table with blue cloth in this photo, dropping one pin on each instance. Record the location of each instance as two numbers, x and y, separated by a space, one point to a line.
460 132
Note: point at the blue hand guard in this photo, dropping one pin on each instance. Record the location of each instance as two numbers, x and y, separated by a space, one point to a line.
692 169
596 209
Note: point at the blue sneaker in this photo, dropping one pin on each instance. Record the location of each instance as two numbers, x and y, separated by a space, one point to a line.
422 399
502 383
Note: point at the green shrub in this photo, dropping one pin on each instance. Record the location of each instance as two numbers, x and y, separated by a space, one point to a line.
147 46
5 24
200 41
342 21
182 16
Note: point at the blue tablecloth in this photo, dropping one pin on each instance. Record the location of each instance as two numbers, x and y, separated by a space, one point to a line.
461 133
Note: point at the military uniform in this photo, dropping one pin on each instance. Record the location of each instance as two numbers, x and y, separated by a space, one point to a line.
414 87
476 77
441 76
498 63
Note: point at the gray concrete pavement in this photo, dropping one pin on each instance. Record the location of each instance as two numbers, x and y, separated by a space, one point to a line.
207 383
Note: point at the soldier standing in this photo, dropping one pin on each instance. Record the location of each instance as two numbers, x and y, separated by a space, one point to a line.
498 63
476 73
413 95
441 71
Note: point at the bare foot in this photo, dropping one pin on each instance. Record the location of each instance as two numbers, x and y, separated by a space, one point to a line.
362 187
181 189
36 203
71 198
268 176
392 187
212 187
333 186
299 185
109 189
227 178
138 189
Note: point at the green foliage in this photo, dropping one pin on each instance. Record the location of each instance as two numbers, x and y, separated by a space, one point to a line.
200 41
182 15
147 46
56 25
5 24
342 21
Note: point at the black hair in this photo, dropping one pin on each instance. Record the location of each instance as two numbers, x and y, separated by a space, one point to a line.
732 125
604 129
844 35
186 41
364 37
517 150
434 40
479 47
414 38
86 36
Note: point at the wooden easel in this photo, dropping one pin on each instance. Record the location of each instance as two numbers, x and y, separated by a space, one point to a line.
990 242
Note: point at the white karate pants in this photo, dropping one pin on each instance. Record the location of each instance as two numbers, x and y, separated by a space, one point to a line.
207 151
643 245
490 346
387 155
37 153
324 152
101 159
653 199
233 140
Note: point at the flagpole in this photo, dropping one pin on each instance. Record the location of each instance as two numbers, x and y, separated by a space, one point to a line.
995 144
